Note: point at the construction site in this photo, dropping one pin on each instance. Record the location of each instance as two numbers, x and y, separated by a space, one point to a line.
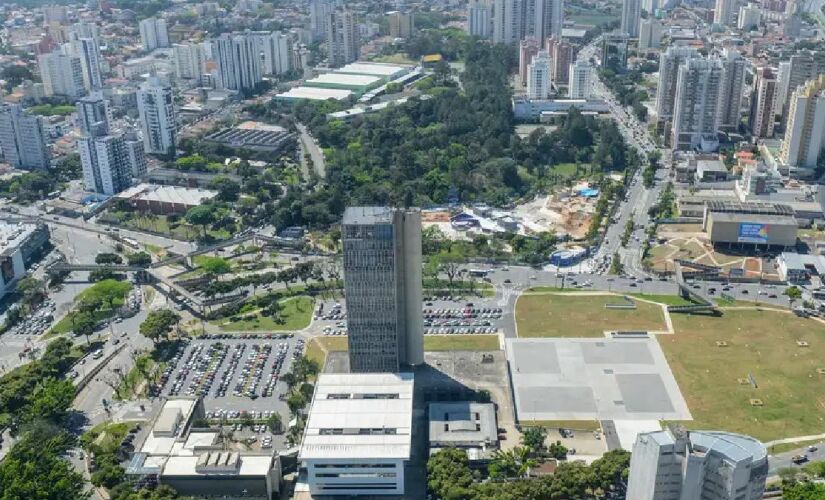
564 212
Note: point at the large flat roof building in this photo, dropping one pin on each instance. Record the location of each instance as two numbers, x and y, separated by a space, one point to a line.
751 224
313 94
354 82
358 434
165 199
464 424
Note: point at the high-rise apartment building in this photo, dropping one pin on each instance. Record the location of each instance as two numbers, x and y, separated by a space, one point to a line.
650 33
239 62
514 20
104 155
669 62
508 26
581 80
733 88
562 55
538 76
724 12
631 16
804 66
382 281
805 133
343 44
650 6
697 103
750 16
88 51
480 18
62 75
686 465
318 12
274 50
614 51
136 154
85 29
527 49
189 60
153 33
157 117
23 138
761 118
402 24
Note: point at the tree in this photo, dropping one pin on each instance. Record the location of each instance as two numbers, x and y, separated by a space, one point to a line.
83 323
32 290
296 402
108 258
201 215
34 469
557 451
533 438
139 259
803 491
448 473
158 324
793 293
228 190
512 463
275 423
215 265
50 400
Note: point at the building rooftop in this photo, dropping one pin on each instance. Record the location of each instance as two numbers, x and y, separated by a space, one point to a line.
374 69
315 93
751 217
12 235
360 415
463 423
368 215
346 80
749 207
231 463
167 194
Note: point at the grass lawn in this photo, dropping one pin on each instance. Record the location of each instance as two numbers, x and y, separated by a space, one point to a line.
295 314
319 346
581 316
442 286
397 58
762 343
105 437
782 448
65 324
554 289
161 224
569 169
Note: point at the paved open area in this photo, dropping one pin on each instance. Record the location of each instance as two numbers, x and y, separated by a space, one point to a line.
587 379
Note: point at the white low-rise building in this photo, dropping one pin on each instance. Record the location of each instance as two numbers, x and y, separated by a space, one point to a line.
358 434
20 245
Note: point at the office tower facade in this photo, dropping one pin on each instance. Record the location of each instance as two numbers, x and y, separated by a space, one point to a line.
724 12
62 75
23 139
538 76
402 24
88 51
733 88
135 155
85 29
761 117
631 17
749 17
189 60
527 49
669 62
157 117
614 51
382 281
480 18
542 18
650 33
805 132
507 21
697 103
343 43
318 12
675 465
153 33
239 63
581 80
93 115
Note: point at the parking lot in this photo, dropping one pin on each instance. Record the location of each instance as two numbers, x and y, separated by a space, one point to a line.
37 322
234 374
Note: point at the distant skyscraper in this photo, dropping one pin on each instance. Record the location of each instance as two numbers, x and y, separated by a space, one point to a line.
650 6
239 62
153 33
631 16
615 51
749 17
542 18
480 18
680 465
724 12
104 156
85 29
274 50
318 12
157 117
697 103
62 75
761 117
805 133
650 33
94 115
733 88
804 66
528 48
23 139
402 24
382 281
342 37
669 62
581 85
538 76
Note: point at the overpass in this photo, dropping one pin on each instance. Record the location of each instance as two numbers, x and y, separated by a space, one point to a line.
702 303
63 266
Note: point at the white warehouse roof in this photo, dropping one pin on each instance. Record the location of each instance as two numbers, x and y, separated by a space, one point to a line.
344 79
360 416
315 93
377 69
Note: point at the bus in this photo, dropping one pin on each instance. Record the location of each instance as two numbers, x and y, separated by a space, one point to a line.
478 273
131 243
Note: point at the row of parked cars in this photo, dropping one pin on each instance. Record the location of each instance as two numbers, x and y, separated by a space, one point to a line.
203 362
468 312
157 388
252 371
272 381
35 323
461 330
226 376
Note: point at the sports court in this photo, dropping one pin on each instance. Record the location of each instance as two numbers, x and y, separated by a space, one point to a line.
593 379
